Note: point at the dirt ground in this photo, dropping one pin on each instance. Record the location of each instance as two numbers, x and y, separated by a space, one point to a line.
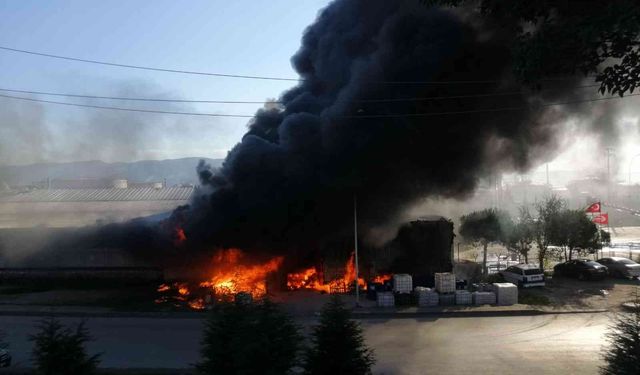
566 293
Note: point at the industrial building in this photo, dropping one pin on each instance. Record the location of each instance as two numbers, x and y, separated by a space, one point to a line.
73 207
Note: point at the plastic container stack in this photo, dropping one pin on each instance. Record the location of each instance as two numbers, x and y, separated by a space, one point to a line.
426 297
402 283
484 298
385 299
463 297
445 282
506 293
447 299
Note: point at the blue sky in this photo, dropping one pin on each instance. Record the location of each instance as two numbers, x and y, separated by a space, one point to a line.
242 37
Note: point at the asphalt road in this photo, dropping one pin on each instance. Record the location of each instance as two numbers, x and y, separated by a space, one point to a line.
546 344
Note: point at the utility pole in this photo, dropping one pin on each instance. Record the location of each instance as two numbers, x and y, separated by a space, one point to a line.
630 164
547 174
609 154
355 237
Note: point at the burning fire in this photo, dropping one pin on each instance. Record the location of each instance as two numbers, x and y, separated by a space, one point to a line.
231 273
179 237
311 278
382 278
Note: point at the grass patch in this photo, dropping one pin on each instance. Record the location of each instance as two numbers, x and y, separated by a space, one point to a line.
528 298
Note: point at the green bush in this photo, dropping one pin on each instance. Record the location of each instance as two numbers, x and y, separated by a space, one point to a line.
622 357
338 345
60 350
249 339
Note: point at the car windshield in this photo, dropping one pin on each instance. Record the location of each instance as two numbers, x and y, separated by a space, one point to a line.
592 263
532 271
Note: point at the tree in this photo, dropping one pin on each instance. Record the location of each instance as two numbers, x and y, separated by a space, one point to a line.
485 227
249 339
522 234
338 345
623 354
544 226
564 37
60 350
574 230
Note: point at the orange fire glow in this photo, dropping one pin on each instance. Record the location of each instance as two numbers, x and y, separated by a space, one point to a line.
179 237
311 278
382 278
232 273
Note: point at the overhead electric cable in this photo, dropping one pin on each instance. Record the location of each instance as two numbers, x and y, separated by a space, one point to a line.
205 101
347 116
243 76
126 109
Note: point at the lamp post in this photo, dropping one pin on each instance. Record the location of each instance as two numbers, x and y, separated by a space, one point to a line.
355 235
630 164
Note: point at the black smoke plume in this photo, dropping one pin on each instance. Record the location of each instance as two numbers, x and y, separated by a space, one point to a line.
351 128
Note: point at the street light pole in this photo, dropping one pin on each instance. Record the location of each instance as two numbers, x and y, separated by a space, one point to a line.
355 237
630 164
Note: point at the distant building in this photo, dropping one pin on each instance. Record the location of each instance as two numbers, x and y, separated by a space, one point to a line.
69 207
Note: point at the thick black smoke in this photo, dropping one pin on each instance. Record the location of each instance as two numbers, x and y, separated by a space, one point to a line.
289 184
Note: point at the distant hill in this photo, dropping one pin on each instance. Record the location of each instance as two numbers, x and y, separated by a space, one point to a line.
175 171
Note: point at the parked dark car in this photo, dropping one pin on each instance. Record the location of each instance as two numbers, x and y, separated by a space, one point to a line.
621 267
5 358
583 269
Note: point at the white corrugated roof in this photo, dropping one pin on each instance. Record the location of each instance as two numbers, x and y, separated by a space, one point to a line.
101 195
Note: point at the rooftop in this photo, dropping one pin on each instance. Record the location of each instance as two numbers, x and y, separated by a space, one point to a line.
100 195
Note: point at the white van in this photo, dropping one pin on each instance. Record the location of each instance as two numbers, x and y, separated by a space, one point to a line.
524 275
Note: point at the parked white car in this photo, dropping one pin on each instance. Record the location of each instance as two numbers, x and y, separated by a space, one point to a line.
524 275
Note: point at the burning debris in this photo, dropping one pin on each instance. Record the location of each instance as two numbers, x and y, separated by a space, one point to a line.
231 272
313 278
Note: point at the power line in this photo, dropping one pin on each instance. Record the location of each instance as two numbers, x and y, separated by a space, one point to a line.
517 108
148 67
126 109
267 78
347 116
427 98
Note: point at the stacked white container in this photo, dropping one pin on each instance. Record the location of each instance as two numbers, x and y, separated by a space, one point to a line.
447 299
385 299
426 297
445 282
402 283
484 298
463 297
506 293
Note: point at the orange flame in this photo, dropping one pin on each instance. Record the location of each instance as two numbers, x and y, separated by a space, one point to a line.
382 278
311 278
232 274
179 236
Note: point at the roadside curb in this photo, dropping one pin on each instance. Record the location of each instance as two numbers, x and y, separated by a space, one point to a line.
371 314
466 314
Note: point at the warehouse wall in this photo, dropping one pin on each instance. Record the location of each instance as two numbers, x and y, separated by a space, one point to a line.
73 214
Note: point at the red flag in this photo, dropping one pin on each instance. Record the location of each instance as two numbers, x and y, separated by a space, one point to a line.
595 207
602 219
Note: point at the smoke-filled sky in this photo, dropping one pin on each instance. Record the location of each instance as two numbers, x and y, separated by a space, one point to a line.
245 37
248 36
